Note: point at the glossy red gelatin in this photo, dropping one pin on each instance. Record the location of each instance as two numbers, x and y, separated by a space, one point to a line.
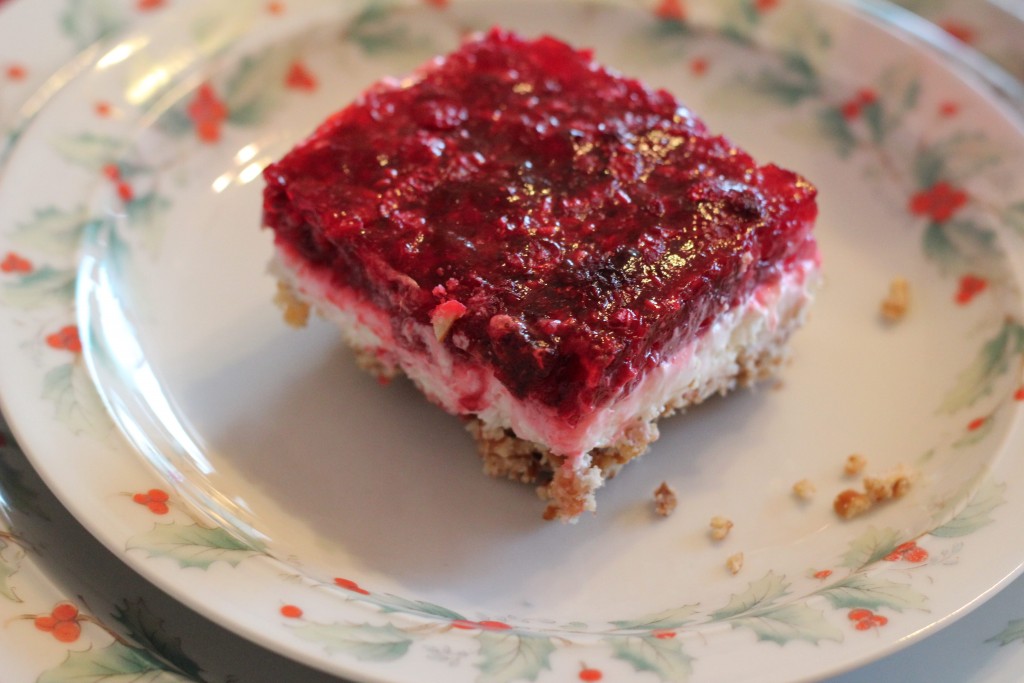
583 226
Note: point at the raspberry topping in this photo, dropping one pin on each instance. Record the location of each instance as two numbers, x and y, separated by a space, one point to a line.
586 225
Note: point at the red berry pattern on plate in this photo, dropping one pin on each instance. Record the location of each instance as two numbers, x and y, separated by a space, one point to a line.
62 622
154 499
908 552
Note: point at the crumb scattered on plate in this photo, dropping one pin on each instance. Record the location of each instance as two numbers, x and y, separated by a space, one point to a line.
851 503
720 527
665 500
897 302
804 489
735 563
855 464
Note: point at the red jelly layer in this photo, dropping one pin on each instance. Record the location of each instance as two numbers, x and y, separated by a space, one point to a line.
586 225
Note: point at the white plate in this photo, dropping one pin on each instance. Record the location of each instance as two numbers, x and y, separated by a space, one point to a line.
300 471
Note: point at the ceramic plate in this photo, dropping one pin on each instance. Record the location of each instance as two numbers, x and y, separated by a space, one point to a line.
260 478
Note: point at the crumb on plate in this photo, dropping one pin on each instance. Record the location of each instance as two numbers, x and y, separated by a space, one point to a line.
804 489
894 485
735 563
897 302
665 500
855 464
720 527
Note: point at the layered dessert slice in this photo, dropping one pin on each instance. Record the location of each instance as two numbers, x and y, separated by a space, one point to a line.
554 252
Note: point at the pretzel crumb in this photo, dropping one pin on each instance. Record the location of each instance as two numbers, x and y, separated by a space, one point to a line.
855 464
897 302
293 309
850 503
734 563
665 500
892 486
804 489
720 527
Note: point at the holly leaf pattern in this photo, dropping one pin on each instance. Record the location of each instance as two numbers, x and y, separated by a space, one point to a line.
1013 216
53 230
977 514
1013 631
786 623
992 361
664 657
145 213
117 663
44 286
836 128
666 619
793 82
87 21
373 31
759 595
395 603
10 558
960 246
507 656
956 158
89 150
870 547
192 545
899 89
870 592
78 405
147 630
250 93
365 642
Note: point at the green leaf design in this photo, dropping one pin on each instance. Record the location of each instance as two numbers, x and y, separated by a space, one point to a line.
977 514
373 31
835 128
794 82
1013 216
365 642
87 21
145 213
53 230
78 405
976 434
192 545
395 603
255 87
664 657
899 89
956 158
507 656
147 630
666 619
9 565
871 592
992 362
787 623
1013 631
175 122
960 246
44 286
870 547
116 663
928 166
759 595
88 150
875 118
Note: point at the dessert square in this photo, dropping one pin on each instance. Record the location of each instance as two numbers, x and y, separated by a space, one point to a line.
553 251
